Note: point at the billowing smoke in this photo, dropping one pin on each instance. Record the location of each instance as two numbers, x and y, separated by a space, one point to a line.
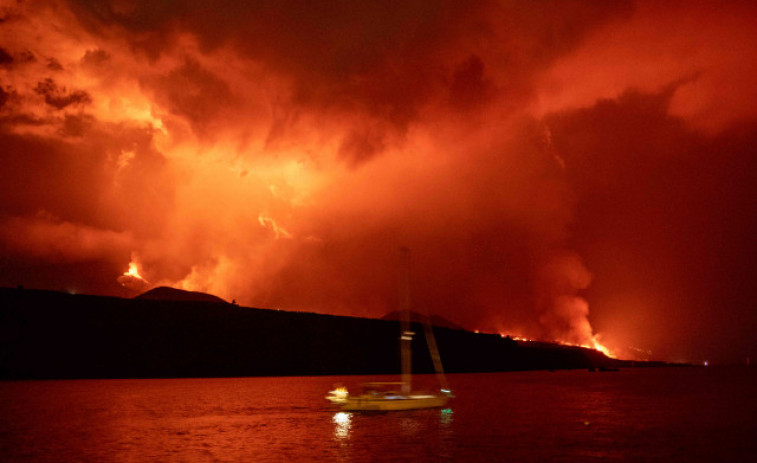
566 313
279 154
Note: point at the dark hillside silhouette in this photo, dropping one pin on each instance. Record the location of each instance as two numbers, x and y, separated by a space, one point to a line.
46 334
415 317
165 293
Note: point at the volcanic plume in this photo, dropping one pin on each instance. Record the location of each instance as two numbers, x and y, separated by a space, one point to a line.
559 169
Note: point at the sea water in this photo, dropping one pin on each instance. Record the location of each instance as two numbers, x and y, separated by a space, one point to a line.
643 414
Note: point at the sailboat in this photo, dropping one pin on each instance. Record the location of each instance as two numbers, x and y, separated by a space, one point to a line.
388 396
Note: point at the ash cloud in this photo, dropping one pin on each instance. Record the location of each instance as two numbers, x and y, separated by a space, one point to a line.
44 237
279 153
387 62
470 87
59 97
5 58
195 93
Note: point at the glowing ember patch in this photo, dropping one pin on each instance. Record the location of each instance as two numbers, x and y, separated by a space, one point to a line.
134 271
596 345
132 278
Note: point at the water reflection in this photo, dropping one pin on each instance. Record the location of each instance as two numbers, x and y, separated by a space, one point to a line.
342 425
445 417
409 425
674 415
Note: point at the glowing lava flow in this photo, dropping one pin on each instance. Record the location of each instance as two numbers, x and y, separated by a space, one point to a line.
134 272
596 345
132 278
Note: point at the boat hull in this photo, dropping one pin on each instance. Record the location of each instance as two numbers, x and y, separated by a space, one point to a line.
381 404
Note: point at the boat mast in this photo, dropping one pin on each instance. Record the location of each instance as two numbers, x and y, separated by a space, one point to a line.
406 336
434 350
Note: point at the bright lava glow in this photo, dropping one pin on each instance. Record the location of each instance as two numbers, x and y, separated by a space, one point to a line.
134 271
596 345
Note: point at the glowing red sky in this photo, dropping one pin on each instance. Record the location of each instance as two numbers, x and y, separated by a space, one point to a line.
560 169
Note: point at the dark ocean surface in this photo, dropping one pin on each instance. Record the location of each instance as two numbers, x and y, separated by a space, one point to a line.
645 414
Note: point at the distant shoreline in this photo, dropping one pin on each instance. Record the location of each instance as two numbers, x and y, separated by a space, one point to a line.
53 335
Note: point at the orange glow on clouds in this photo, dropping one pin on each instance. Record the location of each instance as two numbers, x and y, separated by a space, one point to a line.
539 160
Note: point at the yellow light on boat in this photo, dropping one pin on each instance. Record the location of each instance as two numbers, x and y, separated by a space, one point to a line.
338 395
340 392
